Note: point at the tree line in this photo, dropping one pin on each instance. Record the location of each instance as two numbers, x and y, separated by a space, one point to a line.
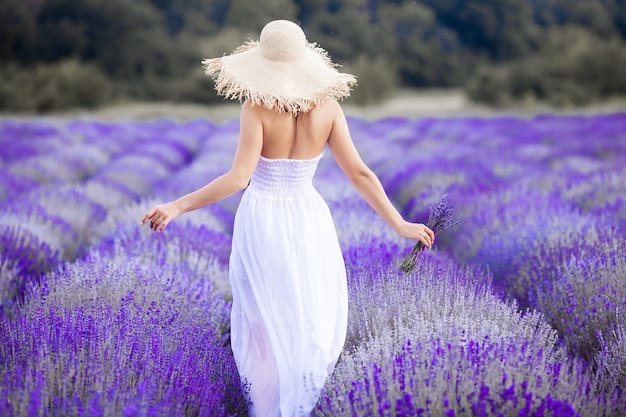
56 54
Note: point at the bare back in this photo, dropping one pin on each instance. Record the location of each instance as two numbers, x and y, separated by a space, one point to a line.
301 136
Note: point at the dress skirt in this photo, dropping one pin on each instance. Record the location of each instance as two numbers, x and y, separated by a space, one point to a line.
290 303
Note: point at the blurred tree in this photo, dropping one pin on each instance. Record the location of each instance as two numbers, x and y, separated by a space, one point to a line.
308 9
127 39
617 9
196 16
205 17
344 30
62 85
376 80
224 42
17 31
424 52
150 49
250 15
596 16
573 67
503 29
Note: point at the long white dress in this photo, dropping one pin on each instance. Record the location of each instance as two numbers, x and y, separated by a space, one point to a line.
290 303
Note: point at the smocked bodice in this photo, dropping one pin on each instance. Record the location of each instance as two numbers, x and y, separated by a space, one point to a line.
284 177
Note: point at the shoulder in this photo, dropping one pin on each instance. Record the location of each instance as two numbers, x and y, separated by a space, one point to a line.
248 107
260 112
329 111
330 107
252 113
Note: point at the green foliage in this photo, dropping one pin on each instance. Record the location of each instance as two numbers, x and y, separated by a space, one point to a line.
345 35
617 9
223 42
124 38
573 67
16 30
376 80
502 29
151 49
254 14
424 52
63 85
598 17
202 17
194 87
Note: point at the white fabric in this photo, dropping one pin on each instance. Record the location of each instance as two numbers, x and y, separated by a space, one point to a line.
290 303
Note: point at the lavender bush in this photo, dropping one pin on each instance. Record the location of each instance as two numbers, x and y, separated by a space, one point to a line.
444 343
441 216
554 197
518 310
611 359
137 357
136 332
583 295
23 258
93 170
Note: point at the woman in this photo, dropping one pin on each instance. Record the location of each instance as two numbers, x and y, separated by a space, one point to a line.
289 313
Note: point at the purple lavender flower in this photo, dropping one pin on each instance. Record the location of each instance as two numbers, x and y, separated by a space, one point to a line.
441 217
545 217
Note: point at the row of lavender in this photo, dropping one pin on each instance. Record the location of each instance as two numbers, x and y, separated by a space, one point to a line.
59 180
137 323
123 321
543 204
543 208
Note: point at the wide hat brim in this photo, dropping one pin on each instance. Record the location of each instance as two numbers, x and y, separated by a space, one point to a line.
293 86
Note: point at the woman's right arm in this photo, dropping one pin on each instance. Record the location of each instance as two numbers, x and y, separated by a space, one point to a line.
367 183
245 160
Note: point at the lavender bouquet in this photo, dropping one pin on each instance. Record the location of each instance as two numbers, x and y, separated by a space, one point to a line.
441 217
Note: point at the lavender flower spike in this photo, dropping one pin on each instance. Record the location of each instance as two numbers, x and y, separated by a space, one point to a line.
441 217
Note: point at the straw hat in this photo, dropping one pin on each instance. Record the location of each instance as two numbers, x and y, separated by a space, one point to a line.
283 71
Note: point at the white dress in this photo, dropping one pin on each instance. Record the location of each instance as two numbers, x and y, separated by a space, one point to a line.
290 303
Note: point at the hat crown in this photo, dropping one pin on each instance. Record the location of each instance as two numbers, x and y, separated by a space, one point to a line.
282 40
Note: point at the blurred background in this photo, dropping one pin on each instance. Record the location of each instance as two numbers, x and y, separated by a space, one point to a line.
62 54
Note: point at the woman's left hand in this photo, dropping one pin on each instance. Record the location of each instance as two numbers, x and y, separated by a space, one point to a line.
160 216
417 231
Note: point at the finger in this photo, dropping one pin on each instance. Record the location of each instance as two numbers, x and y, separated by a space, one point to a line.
162 226
148 215
154 223
429 241
161 222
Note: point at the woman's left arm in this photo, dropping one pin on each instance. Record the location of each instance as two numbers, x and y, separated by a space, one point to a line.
246 159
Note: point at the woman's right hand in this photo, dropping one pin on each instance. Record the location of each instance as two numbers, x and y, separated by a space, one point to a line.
160 216
417 231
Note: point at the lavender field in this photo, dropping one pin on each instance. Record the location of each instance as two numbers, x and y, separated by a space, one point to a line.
520 310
